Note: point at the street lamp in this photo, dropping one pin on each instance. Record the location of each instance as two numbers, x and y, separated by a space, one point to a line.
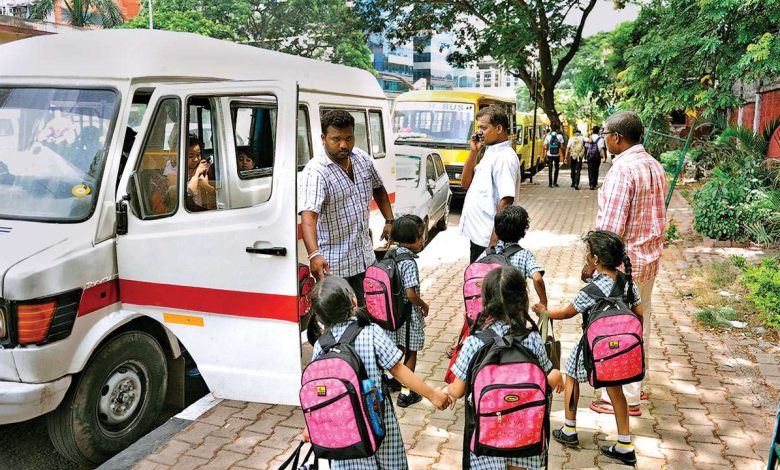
151 19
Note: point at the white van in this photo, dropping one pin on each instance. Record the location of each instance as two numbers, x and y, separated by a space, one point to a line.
93 324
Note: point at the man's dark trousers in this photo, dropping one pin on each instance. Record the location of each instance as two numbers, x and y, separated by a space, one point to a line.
553 161
593 172
576 169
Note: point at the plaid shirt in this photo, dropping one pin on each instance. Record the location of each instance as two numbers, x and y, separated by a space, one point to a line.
342 206
631 204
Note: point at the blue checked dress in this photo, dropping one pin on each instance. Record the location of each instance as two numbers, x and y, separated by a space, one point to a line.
523 260
377 351
534 343
411 280
343 209
583 303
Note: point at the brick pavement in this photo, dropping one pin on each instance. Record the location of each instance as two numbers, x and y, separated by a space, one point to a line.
702 412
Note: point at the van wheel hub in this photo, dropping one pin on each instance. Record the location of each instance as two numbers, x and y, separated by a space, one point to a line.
120 395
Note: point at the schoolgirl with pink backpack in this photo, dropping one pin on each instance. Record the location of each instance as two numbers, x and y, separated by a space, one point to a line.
610 352
345 405
507 379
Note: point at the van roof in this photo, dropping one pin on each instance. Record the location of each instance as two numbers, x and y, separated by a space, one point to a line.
449 95
133 54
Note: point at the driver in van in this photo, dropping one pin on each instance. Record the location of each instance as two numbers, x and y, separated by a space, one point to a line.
201 195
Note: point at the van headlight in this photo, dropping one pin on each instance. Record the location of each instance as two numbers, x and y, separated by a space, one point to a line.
3 321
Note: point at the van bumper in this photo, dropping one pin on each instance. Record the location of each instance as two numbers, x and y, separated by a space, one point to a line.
22 401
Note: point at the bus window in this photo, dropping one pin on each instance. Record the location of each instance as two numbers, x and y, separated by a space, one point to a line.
303 138
254 125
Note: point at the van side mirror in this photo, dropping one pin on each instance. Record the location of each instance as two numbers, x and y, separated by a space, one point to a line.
121 215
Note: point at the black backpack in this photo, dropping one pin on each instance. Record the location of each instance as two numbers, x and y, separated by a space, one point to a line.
593 149
555 145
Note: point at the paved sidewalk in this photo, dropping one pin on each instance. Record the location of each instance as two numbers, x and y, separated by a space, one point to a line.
702 411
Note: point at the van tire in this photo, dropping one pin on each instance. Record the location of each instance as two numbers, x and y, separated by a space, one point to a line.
128 374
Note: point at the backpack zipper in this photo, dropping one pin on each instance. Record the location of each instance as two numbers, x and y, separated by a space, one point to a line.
326 403
633 346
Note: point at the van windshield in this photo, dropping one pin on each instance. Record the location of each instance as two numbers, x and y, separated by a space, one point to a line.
53 144
446 123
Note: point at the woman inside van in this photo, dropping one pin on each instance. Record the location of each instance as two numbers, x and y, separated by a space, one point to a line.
201 195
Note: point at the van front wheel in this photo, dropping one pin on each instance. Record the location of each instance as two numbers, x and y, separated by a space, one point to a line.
113 402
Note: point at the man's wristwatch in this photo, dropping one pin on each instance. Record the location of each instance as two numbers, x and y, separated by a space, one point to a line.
389 221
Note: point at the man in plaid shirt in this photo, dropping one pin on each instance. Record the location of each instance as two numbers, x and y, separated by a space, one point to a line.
631 204
334 194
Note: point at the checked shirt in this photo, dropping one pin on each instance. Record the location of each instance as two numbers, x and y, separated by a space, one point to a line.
343 209
523 260
631 204
407 268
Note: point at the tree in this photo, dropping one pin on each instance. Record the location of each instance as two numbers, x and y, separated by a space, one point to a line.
517 34
80 12
318 29
689 55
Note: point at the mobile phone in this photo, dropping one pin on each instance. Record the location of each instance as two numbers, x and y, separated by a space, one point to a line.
206 159
477 136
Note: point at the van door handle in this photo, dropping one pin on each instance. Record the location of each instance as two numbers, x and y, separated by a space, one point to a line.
274 251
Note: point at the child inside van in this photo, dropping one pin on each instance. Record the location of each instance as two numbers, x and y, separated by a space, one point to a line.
604 251
409 232
505 300
511 225
244 160
335 307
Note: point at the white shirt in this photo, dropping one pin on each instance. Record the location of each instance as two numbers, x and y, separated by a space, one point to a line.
596 138
547 143
495 177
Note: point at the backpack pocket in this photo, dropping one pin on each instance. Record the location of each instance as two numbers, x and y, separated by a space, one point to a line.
510 420
617 359
333 413
378 300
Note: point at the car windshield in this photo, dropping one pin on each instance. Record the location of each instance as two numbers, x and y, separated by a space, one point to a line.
447 123
407 171
52 151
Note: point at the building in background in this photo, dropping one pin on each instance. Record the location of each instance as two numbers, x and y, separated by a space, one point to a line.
395 66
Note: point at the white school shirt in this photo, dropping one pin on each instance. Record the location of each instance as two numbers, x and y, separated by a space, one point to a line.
547 140
495 177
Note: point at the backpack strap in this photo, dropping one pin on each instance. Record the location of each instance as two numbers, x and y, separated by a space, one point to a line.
594 291
352 331
512 250
404 257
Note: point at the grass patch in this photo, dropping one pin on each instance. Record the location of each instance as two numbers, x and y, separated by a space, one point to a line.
720 274
716 316
716 309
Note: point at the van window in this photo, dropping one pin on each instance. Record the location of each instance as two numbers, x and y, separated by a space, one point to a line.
439 165
430 169
377 134
361 128
303 138
157 171
254 128
201 155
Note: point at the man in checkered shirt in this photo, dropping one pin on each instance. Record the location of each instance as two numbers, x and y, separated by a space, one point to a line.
631 204
334 194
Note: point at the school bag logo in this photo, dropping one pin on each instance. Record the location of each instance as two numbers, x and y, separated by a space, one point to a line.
384 290
555 145
342 407
475 274
507 394
612 339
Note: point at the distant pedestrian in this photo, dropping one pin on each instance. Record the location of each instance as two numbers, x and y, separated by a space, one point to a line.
575 153
553 144
631 204
491 184
335 190
597 153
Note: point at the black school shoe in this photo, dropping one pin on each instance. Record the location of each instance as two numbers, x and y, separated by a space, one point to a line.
408 400
392 384
566 440
628 458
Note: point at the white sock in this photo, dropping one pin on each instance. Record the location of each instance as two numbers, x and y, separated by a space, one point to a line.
569 427
405 391
624 444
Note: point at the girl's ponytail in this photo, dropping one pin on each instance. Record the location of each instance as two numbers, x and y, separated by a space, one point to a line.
313 330
627 266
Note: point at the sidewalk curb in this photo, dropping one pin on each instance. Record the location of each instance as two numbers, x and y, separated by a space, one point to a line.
149 444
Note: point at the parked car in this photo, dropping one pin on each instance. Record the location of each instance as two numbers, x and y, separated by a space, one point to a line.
422 186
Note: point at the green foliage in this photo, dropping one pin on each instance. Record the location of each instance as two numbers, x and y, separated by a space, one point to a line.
672 232
516 34
723 207
738 261
318 29
716 316
80 12
763 280
669 160
688 55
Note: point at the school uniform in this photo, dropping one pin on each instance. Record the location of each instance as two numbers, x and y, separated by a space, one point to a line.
407 268
470 347
378 353
583 303
523 260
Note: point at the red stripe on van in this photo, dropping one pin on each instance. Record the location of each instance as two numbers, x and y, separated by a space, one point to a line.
203 299
99 296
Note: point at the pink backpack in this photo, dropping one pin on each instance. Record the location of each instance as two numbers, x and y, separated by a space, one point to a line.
343 410
612 339
384 290
507 407
476 272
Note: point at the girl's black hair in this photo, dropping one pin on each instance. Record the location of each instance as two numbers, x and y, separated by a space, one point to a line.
611 251
406 229
331 303
505 298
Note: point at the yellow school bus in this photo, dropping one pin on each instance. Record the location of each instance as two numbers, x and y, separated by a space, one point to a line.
524 145
444 120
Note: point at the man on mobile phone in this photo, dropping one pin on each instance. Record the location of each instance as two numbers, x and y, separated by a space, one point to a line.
491 183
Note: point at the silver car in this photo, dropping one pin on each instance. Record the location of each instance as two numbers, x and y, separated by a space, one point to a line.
422 186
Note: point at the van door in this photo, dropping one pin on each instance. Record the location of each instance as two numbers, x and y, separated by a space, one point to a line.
210 248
